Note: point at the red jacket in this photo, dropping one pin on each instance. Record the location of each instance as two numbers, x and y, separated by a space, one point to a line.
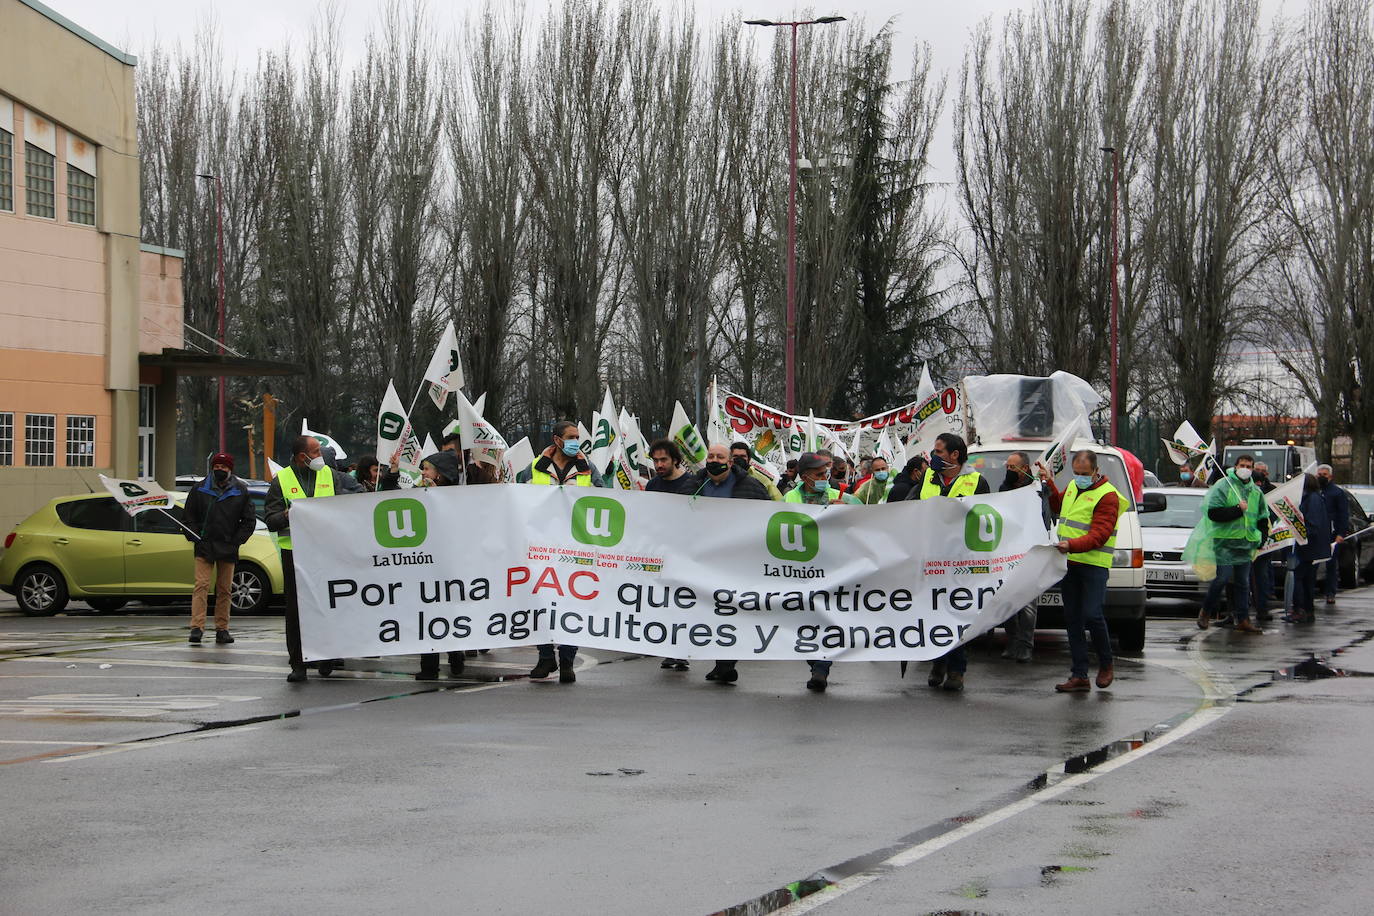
1104 519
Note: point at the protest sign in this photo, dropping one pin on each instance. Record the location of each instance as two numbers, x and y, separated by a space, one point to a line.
630 571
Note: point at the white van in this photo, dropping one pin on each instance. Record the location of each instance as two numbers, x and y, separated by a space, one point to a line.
1125 607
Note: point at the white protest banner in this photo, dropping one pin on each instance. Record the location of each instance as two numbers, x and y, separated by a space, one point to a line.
630 571
685 434
324 440
445 371
135 496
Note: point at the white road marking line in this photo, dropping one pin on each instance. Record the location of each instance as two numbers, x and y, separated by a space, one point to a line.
58 743
1212 683
155 742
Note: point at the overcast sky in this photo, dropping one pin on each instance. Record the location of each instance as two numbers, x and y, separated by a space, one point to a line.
247 26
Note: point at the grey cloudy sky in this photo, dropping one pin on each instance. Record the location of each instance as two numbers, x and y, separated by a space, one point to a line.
247 26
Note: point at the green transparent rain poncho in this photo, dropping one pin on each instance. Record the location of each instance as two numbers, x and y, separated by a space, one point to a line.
1214 544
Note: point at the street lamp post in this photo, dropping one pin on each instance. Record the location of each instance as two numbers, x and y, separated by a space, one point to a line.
219 251
790 359
1116 289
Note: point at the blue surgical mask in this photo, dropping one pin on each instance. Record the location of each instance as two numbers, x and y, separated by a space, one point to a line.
1083 480
571 447
937 464
821 485
880 476
1185 476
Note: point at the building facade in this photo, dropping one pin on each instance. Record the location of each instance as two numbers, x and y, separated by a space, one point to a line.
80 298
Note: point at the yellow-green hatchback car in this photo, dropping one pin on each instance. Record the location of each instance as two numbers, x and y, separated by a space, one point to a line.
87 547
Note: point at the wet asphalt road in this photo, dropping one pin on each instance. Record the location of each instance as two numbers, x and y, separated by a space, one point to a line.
145 775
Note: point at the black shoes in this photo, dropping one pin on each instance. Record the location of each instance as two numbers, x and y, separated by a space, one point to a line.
937 674
455 668
425 674
818 681
723 674
545 667
325 668
195 635
297 675
566 675
667 664
222 637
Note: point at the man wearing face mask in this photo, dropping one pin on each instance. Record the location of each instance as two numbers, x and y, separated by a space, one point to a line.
1238 518
1338 510
813 482
306 477
1089 509
220 510
878 486
740 458
947 476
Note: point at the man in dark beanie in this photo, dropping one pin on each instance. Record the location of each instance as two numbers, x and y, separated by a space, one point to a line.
220 511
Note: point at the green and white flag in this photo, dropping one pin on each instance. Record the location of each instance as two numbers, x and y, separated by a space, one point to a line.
395 437
632 440
584 442
135 496
445 371
478 435
324 440
516 459
688 438
604 434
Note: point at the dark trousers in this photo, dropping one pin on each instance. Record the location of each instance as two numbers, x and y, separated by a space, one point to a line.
1084 588
429 662
1263 590
1333 572
1238 575
293 611
1305 587
566 654
955 660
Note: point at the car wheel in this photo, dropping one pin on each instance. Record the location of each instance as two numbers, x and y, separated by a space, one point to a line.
250 592
1130 634
41 591
106 605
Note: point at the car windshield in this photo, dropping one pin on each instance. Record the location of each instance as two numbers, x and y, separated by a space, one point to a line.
993 465
1365 497
1181 510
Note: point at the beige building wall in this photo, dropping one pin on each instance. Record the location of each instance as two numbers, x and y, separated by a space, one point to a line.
72 313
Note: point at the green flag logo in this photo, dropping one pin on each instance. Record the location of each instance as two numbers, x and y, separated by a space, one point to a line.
598 521
400 523
793 537
132 489
982 529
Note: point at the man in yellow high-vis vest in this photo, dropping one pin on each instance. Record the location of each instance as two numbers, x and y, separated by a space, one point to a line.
947 476
306 477
1088 509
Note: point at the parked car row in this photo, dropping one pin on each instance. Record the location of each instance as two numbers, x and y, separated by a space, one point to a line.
87 547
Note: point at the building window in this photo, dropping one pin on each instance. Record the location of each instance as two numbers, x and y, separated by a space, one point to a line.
6 170
147 432
80 442
40 438
6 439
80 197
40 182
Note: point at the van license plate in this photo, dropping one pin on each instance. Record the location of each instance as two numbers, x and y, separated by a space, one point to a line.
1051 599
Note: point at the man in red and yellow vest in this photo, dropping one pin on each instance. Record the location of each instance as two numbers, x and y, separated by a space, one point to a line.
947 476
1088 509
307 476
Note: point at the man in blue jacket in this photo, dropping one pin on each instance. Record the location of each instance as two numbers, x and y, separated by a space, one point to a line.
220 512
1338 511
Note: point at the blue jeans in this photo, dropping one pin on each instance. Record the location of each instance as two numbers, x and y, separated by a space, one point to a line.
1239 577
1264 584
1084 588
1333 572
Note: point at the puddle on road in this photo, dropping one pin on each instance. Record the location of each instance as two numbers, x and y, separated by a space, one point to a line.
1020 878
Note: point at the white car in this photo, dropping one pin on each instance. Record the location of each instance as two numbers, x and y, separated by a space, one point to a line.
1169 516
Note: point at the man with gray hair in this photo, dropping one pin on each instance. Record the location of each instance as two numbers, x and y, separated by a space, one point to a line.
1338 510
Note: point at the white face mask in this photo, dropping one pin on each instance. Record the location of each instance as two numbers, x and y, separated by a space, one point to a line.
317 463
1244 473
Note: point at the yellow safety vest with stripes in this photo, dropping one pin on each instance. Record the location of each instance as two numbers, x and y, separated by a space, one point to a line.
1076 516
291 490
964 485
580 479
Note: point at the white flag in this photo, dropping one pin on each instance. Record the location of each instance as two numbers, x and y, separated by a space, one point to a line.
135 496
636 449
683 432
584 441
1185 444
273 469
477 434
395 438
429 448
1284 502
324 440
605 433
445 372
925 388
518 457
887 449
480 405
1056 455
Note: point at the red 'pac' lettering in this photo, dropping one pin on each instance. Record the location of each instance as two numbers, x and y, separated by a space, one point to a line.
516 575
572 585
548 579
